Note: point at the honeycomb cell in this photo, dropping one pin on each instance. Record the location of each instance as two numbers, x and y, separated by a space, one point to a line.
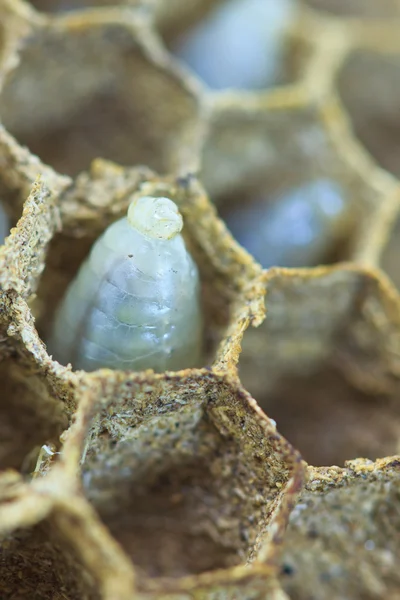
357 8
169 471
48 544
55 6
179 485
145 519
390 255
19 170
225 271
223 58
41 558
334 554
135 302
329 420
30 415
35 404
325 370
4 225
374 116
91 84
274 170
172 18
263 149
299 228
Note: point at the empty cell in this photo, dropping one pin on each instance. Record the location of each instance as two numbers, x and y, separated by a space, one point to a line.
92 90
374 116
30 416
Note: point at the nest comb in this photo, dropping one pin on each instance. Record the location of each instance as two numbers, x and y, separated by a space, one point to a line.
181 485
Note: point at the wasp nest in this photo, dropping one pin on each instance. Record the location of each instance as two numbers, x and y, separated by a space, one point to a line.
269 471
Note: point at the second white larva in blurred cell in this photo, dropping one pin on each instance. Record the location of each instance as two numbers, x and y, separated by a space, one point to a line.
134 304
296 229
239 44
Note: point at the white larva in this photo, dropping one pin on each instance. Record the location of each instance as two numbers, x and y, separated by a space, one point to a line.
296 229
239 44
134 304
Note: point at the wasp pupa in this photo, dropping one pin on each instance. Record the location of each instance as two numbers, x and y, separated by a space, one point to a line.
134 303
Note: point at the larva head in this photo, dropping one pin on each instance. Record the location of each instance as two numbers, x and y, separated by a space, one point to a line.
155 217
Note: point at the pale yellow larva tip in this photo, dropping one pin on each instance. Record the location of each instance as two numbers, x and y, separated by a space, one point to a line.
155 217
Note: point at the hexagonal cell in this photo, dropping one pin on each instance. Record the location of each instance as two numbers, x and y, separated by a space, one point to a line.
238 44
56 6
324 364
358 8
19 171
225 271
284 185
389 261
171 468
97 84
23 255
35 563
52 546
4 224
340 542
30 415
257 146
14 24
184 491
172 17
302 226
374 117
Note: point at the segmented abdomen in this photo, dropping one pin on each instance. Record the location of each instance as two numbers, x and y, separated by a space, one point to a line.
134 305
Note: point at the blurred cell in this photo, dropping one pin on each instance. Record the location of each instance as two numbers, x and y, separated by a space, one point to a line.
369 85
4 225
390 255
67 5
238 45
358 8
296 229
85 88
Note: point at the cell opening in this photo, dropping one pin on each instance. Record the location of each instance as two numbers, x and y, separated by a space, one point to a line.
389 261
29 417
84 92
238 44
59 6
219 292
358 8
180 498
329 421
299 223
4 224
356 518
38 563
304 364
375 118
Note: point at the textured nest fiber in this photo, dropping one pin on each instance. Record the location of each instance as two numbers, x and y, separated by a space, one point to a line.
271 472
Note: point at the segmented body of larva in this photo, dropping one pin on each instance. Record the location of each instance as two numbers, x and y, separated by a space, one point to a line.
296 229
134 304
